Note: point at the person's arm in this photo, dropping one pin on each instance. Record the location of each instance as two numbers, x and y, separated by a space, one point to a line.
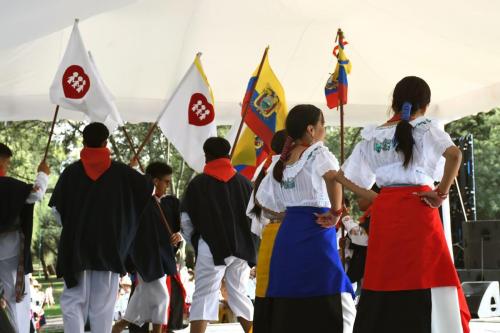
334 190
358 190
453 157
331 218
187 227
41 183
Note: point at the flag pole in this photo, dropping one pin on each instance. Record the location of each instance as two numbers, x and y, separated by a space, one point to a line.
132 147
340 39
56 112
146 139
246 102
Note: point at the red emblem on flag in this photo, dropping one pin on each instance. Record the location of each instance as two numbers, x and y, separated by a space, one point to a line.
76 82
201 112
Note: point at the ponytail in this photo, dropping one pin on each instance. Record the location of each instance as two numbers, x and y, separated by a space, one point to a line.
404 134
279 168
410 94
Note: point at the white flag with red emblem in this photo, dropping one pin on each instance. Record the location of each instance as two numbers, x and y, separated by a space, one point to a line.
188 118
78 85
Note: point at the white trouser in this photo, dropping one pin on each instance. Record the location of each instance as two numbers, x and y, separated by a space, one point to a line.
348 312
149 303
23 308
94 297
8 272
208 279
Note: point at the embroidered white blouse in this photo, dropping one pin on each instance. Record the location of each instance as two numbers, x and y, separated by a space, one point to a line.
302 184
375 159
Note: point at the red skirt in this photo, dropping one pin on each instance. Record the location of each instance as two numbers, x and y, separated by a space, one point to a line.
407 248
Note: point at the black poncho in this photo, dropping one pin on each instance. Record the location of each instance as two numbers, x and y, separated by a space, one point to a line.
151 254
16 214
217 210
99 218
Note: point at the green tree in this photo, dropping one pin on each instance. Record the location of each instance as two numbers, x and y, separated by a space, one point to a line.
485 127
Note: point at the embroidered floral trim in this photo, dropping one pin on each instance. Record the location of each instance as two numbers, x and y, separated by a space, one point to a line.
293 169
288 183
387 132
385 145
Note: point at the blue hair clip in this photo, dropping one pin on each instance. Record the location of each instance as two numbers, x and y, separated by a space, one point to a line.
406 111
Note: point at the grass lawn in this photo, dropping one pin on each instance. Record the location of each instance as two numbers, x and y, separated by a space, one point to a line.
57 285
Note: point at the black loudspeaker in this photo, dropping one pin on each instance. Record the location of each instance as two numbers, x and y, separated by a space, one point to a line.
481 244
483 298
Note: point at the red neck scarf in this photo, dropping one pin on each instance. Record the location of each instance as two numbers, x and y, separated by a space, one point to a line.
95 161
2 173
220 169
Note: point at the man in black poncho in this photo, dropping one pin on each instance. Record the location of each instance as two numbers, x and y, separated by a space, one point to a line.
99 203
16 226
214 220
152 255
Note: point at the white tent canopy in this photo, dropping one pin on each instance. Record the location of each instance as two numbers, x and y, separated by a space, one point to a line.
143 48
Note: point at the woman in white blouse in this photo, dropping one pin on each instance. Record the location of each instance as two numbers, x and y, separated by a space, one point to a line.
410 282
309 289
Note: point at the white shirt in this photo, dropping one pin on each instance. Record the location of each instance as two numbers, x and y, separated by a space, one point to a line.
375 158
302 184
259 222
9 241
357 234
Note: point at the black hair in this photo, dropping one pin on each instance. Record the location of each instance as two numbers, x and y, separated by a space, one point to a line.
277 144
95 134
5 151
416 91
278 141
215 148
158 169
299 117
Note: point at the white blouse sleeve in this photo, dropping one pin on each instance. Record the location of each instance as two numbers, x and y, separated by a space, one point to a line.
269 194
357 169
258 222
41 183
435 142
325 161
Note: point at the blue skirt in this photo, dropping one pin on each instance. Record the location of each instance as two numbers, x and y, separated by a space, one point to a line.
305 260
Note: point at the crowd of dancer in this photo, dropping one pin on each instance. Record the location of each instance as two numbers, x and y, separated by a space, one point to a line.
116 219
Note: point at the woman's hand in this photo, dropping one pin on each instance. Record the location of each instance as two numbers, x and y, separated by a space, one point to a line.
327 220
431 198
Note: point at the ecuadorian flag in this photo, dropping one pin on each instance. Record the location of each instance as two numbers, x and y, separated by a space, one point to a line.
250 152
336 86
266 104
